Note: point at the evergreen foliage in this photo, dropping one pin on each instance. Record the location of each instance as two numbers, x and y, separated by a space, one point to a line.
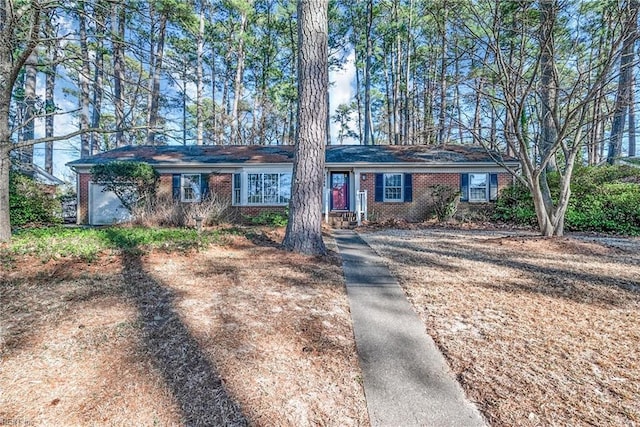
30 204
134 183
603 199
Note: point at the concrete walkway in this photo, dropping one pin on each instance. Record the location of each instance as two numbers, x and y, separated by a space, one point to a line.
406 379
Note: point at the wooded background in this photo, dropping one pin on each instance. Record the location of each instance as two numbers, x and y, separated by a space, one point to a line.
426 71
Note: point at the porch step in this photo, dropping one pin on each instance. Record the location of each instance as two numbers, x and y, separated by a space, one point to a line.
343 220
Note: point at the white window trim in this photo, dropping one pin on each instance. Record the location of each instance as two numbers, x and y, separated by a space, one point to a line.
244 187
198 191
236 190
384 188
486 188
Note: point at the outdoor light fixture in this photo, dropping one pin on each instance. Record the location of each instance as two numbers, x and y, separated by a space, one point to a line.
364 176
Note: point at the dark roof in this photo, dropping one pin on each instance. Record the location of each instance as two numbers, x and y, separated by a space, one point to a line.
256 154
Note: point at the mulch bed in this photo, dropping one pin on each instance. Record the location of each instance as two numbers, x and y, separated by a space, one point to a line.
236 334
539 331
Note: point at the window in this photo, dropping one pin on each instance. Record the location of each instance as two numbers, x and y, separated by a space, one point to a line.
268 188
392 187
478 187
237 188
190 188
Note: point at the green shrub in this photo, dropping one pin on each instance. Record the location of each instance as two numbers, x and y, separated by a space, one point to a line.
29 204
271 219
603 199
87 243
445 201
133 182
515 205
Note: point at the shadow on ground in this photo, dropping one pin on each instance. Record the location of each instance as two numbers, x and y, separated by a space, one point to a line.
554 281
192 378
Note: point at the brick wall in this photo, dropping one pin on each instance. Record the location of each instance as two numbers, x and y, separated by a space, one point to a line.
417 209
221 185
83 198
165 186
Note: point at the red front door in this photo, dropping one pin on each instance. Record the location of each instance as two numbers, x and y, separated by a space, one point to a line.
340 191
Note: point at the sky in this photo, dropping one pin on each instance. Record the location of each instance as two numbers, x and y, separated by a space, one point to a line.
341 91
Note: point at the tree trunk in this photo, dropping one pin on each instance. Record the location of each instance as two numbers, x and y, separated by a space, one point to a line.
548 80
10 66
237 83
157 69
5 167
98 81
304 232
389 103
368 134
396 74
408 89
214 113
83 79
118 21
632 116
442 131
623 95
50 108
26 153
200 81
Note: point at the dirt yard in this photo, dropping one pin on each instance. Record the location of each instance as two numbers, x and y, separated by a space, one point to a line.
538 331
239 333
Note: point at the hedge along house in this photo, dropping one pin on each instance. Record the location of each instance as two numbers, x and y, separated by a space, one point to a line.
385 182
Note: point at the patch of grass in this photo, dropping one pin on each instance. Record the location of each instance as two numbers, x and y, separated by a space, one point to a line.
87 243
271 219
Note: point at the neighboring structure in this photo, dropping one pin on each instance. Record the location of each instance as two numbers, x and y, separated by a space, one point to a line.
258 178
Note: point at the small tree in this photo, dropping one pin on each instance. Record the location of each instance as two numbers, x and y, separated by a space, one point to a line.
544 94
134 183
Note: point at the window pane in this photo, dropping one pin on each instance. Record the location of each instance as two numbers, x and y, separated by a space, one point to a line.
478 186
392 180
254 188
270 188
393 187
392 193
237 183
191 188
285 187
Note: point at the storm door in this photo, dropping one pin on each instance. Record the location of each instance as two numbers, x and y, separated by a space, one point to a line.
340 191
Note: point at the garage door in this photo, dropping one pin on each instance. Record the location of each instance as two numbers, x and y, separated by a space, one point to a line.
105 207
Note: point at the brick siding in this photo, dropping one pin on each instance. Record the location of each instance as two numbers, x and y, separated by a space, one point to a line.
83 198
221 185
417 209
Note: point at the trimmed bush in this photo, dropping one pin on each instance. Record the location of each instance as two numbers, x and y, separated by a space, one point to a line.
271 219
29 204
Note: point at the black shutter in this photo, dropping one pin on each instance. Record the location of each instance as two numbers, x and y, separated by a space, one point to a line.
493 186
464 187
176 186
204 186
408 187
379 187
